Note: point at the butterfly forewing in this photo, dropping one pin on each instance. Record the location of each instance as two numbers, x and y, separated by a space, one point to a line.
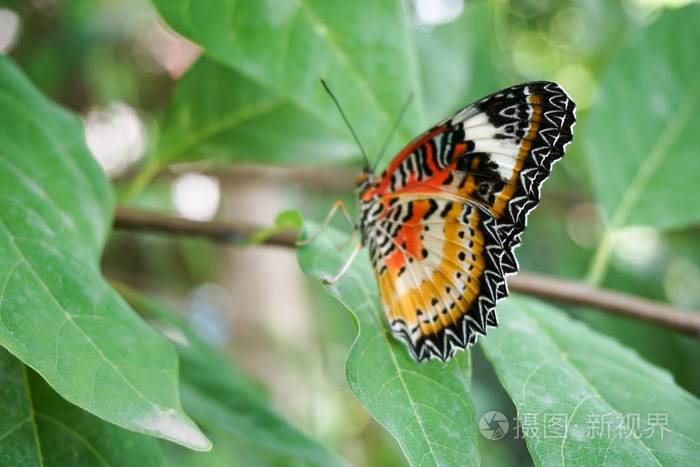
462 189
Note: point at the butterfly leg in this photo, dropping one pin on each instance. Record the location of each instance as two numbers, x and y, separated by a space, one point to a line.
349 240
346 266
338 206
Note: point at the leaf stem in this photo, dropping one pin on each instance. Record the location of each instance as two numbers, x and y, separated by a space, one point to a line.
647 168
601 258
233 234
142 179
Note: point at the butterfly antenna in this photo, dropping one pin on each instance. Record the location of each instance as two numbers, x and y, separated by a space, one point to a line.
393 130
347 122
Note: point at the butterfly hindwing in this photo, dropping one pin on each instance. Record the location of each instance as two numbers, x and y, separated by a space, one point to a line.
438 267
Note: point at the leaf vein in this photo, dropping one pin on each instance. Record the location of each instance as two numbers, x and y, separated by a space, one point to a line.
15 427
76 435
395 362
580 375
69 317
344 57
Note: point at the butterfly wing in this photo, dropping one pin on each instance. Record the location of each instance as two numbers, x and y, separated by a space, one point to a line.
438 266
444 218
494 153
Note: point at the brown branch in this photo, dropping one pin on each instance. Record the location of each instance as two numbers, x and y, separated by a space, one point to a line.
218 231
579 293
538 285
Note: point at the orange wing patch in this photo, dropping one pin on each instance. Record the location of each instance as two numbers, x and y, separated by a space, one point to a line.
432 274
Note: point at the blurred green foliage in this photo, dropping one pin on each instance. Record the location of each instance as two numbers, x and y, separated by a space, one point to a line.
253 96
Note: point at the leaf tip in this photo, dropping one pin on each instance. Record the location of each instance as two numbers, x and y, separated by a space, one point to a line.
178 428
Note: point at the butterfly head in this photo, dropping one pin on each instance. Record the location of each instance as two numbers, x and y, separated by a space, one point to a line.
365 180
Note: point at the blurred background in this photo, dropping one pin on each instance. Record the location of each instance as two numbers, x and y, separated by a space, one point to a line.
117 64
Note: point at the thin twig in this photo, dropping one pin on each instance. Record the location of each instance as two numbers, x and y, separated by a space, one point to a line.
218 231
547 287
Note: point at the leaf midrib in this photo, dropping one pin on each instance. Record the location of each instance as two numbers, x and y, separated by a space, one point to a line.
32 418
32 415
630 197
395 362
657 154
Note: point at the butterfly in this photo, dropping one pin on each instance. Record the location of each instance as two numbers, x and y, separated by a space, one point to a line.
441 223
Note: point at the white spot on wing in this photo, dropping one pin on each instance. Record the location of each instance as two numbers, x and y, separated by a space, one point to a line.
484 131
472 121
506 164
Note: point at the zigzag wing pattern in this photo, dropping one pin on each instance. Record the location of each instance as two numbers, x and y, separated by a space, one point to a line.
474 177
494 153
547 124
438 265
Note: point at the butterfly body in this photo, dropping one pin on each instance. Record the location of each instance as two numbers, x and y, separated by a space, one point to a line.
442 221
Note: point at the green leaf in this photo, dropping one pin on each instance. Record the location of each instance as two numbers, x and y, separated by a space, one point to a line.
218 114
57 313
641 145
223 401
426 406
556 368
459 63
38 427
285 46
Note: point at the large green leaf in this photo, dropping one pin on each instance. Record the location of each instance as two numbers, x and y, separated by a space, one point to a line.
217 113
426 406
39 428
557 369
224 401
364 50
459 63
57 314
641 142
